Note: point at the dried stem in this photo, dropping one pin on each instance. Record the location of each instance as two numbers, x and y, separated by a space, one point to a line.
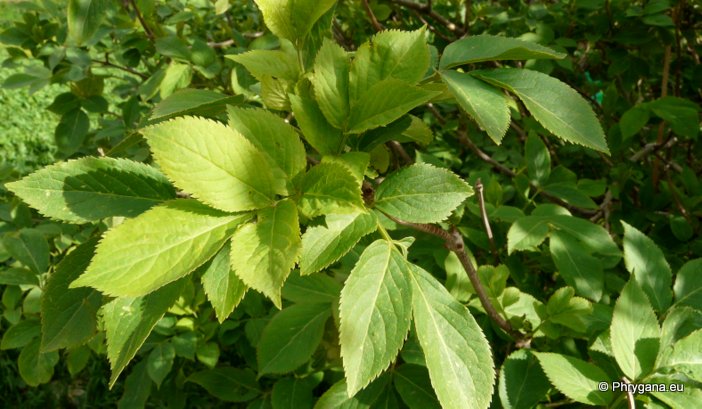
146 27
221 44
371 16
486 221
427 10
130 70
399 151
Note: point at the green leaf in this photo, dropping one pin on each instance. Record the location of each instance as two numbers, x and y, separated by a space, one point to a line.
291 337
214 163
293 393
84 18
538 159
526 234
402 55
269 63
375 311
36 367
474 49
645 261
129 321
686 357
271 135
69 316
337 397
331 83
578 268
160 362
634 332
457 354
632 121
681 114
317 131
263 253
522 381
137 388
77 359
575 378
90 189
486 104
208 354
193 101
157 247
421 193
71 131
414 386
318 288
688 283
324 245
20 334
559 108
565 309
292 19
385 102
223 288
228 384
177 76
18 276
30 248
330 188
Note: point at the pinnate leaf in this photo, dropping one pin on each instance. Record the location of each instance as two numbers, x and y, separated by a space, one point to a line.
223 288
421 193
575 378
157 247
486 47
331 83
90 189
645 261
375 311
558 107
316 130
330 188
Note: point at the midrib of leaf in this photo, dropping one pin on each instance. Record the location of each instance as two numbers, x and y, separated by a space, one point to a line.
577 268
522 384
31 256
64 329
558 118
297 335
417 387
688 295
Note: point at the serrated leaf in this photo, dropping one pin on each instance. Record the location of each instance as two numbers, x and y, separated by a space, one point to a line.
228 384
69 316
578 268
575 378
526 234
403 55
686 356
385 102
90 189
414 386
457 354
223 288
688 284
215 164
264 253
20 334
331 83
84 18
421 193
192 101
565 309
635 335
291 337
356 162
292 19
556 106
293 393
324 245
486 104
485 47
269 63
318 288
316 130
157 247
36 367
30 248
645 261
522 381
129 321
337 397
160 362
271 135
177 76
375 311
329 188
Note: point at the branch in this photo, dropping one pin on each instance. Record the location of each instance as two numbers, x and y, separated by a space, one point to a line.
221 44
371 16
661 127
486 221
146 27
427 9
130 70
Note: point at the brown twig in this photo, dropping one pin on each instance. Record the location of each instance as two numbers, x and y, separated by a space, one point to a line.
676 198
629 395
221 44
661 127
486 221
652 147
130 70
146 27
371 16
429 11
399 151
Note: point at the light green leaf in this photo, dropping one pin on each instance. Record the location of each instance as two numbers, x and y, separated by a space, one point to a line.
688 284
385 102
177 76
522 381
337 397
17 276
291 337
292 19
29 247
228 384
318 288
645 261
330 188
403 55
137 388
36 367
191 101
356 162
421 193
457 354
689 398
129 321
293 393
375 311
269 63
316 130
215 164
223 288
686 356
20 334
157 247
84 18
578 268
324 245
575 378
486 104
69 316
331 83
538 159
414 386
565 309
485 47
263 253
634 332
271 135
526 234
90 189
160 362
558 107
208 354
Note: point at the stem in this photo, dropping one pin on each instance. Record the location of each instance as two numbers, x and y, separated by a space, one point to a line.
107 63
371 16
661 127
427 9
146 27
486 221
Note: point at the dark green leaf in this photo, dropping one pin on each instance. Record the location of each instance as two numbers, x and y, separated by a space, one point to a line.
228 384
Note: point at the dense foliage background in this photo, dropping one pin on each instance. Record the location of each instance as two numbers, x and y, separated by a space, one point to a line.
75 87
